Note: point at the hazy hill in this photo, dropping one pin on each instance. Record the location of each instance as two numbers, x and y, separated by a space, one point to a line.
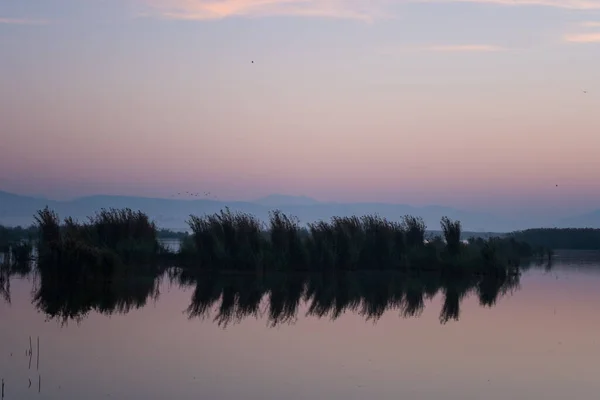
173 213
279 200
16 209
587 220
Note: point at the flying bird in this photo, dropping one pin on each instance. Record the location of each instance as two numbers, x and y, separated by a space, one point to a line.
585 91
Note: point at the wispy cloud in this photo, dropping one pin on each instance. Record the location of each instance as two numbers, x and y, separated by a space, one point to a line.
365 10
593 37
22 21
457 48
591 24
465 48
566 4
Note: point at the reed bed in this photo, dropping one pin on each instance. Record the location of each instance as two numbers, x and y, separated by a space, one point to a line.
229 241
109 241
114 242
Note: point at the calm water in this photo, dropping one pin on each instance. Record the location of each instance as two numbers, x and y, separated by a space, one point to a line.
542 341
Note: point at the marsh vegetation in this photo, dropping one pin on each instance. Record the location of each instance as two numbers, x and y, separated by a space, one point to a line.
238 267
116 243
229 241
560 238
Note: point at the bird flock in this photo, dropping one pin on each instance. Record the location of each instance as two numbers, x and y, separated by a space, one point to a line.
206 195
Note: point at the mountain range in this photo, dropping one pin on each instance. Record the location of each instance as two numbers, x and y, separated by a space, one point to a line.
173 213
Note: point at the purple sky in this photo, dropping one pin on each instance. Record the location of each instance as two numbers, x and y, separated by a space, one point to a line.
467 103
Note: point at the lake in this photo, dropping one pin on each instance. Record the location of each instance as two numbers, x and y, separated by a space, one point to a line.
212 340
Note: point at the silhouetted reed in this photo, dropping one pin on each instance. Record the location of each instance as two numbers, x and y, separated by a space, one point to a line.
237 242
228 241
286 241
110 240
452 231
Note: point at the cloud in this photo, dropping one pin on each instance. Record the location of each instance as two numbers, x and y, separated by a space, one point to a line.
459 48
593 37
366 10
565 4
465 48
22 21
591 24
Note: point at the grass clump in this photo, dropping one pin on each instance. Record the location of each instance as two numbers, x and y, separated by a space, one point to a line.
226 240
110 240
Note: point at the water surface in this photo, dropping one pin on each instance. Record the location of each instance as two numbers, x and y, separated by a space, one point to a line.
539 341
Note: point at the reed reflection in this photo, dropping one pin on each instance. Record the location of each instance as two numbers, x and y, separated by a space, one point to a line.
228 299
277 297
68 297
15 261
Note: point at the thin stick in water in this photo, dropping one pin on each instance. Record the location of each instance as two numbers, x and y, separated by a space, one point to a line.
38 353
2 387
39 383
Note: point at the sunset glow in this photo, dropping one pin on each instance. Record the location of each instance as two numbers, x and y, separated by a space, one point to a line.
470 103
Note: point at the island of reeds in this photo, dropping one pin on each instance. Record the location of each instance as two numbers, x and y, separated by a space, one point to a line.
114 260
122 241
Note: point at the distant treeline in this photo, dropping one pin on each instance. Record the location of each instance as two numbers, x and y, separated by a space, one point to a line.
9 235
16 247
565 238
170 234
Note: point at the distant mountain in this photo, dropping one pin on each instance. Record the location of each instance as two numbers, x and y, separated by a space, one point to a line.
277 200
173 213
17 210
588 220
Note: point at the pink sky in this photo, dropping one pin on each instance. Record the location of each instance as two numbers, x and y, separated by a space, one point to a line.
342 103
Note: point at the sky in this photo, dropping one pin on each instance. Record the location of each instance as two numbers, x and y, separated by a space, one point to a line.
466 103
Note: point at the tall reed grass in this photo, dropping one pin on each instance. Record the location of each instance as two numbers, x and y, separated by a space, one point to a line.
109 240
229 241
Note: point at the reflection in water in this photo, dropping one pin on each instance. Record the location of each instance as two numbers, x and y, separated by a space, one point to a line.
67 301
4 285
230 298
539 344
9 267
